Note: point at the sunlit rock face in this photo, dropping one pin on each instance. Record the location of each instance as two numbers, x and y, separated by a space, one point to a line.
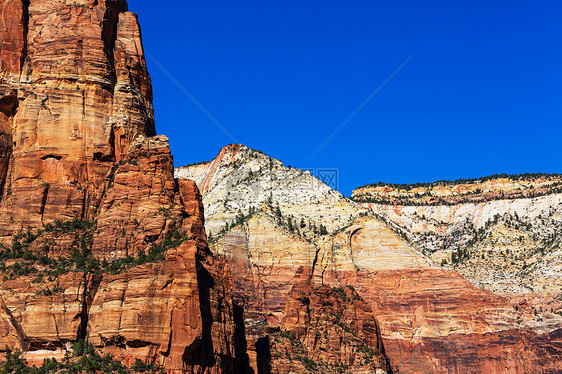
74 94
501 234
433 317
511 246
83 181
495 187
240 178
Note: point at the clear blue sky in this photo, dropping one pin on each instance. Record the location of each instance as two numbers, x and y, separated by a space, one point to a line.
482 94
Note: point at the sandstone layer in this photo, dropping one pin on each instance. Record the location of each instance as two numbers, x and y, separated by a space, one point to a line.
431 318
510 246
502 237
75 93
99 241
172 307
495 187
240 179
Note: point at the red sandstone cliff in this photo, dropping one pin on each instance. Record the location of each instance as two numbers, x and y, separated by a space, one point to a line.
74 94
100 242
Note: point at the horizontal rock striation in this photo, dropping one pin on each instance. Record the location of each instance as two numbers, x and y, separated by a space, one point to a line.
494 187
432 319
75 94
172 307
509 246
99 241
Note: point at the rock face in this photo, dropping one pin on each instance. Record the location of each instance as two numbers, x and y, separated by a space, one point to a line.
176 312
75 93
506 245
328 330
509 246
431 318
277 219
100 242
240 178
495 187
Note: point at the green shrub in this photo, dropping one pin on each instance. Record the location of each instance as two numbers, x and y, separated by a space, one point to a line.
14 364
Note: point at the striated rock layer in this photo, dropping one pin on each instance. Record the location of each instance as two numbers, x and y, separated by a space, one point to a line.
74 94
100 242
266 221
177 312
489 188
432 319
511 246
327 329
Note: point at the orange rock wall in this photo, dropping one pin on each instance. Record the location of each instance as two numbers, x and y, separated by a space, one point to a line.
77 141
74 94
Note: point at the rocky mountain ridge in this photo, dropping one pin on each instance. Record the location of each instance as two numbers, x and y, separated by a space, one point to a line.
254 207
422 305
240 179
104 249
494 187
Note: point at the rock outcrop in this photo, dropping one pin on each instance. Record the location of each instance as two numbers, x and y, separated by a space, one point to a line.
168 304
75 94
495 187
327 329
501 234
100 242
431 318
510 246
240 178
268 222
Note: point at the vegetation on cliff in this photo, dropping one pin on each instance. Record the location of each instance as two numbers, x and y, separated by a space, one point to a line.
460 191
444 182
32 252
84 359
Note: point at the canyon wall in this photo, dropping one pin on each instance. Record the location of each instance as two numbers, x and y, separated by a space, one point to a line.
509 246
99 241
75 93
432 317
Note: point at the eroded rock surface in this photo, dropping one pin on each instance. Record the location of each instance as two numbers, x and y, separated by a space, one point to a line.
240 178
74 93
100 242
432 319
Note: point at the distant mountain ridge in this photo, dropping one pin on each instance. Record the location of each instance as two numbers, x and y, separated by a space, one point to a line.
240 178
493 187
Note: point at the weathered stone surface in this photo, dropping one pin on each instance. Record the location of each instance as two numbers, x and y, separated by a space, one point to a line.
75 93
140 201
327 329
13 23
426 311
240 178
45 314
509 246
265 262
176 313
498 187
81 168
431 318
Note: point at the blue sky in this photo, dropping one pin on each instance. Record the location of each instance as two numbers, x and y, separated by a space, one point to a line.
482 93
